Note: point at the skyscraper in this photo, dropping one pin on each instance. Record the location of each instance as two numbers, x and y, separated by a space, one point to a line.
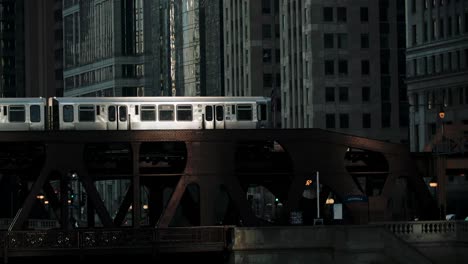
111 48
437 60
252 50
30 48
12 48
342 67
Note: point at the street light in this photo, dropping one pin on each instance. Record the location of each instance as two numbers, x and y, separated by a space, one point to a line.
433 183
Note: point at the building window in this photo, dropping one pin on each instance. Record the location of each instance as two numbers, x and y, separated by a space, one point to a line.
425 29
434 29
386 114
267 55
449 26
426 68
366 120
343 94
328 14
344 121
329 67
466 22
365 93
365 41
330 120
466 58
364 14
365 70
267 80
342 41
328 41
329 94
441 28
413 35
266 31
341 14
266 7
458 25
343 67
413 6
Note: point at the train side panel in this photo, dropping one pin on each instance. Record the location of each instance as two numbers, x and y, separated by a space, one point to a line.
23 114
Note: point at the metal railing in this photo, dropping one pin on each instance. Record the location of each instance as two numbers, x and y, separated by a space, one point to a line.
429 231
181 239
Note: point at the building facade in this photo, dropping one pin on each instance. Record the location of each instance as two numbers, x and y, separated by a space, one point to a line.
30 48
437 67
141 48
252 50
343 66
111 48
43 35
12 48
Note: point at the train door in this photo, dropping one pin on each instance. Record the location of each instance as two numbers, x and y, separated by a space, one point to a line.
117 117
214 117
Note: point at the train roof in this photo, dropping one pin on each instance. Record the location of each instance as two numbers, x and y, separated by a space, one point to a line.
22 100
160 99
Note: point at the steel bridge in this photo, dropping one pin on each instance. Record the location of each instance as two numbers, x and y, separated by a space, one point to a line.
198 167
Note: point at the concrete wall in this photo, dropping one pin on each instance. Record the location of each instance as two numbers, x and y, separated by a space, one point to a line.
321 244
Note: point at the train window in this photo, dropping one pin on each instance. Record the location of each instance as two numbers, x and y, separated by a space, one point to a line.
86 113
35 113
98 110
68 113
166 112
17 113
148 113
5 112
122 113
219 113
209 113
184 113
233 109
244 112
137 110
111 113
261 112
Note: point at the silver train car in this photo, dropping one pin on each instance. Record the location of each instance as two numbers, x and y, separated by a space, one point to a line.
154 113
23 114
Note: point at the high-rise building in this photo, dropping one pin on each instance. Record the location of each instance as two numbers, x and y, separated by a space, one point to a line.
12 48
212 48
437 67
343 67
141 48
111 48
43 41
30 38
252 49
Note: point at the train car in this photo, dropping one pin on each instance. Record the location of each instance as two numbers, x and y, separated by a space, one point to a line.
23 114
150 113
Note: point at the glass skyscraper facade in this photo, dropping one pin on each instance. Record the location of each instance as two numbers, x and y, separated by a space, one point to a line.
109 48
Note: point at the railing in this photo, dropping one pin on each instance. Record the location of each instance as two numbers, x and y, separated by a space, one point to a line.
31 223
429 231
179 239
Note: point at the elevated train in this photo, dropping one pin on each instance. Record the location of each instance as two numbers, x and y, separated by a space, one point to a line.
134 113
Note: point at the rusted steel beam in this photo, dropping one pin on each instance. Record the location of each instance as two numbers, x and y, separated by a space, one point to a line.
170 209
52 198
136 211
24 211
124 206
95 198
